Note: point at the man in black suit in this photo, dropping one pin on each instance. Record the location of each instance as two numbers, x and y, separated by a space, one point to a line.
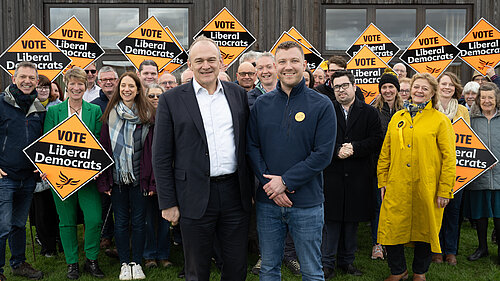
200 165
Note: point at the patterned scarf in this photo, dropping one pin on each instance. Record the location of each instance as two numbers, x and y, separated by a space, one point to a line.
122 123
23 100
451 110
413 108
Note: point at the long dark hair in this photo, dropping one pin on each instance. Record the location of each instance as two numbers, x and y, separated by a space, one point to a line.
145 109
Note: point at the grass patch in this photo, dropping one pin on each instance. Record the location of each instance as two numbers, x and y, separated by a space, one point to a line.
483 269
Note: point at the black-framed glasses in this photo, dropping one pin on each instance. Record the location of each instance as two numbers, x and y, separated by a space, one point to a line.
404 91
93 71
344 86
108 80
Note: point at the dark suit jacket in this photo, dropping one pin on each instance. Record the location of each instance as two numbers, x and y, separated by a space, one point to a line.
180 151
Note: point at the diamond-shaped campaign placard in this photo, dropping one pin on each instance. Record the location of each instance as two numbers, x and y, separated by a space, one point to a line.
367 69
473 157
296 34
77 43
313 59
480 47
430 52
149 41
35 47
377 41
70 155
179 61
230 35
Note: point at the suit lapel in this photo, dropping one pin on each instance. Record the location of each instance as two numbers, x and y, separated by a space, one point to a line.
192 107
233 106
63 111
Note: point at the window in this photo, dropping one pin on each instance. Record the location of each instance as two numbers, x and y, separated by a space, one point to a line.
398 24
116 23
343 27
59 16
175 19
451 24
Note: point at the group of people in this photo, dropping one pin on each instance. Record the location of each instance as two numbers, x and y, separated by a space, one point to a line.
295 157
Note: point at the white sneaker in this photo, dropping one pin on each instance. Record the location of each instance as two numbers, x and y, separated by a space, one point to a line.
137 272
125 272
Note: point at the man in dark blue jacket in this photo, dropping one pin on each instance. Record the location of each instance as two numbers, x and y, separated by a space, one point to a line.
290 140
21 123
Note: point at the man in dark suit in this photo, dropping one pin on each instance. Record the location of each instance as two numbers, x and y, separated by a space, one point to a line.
200 165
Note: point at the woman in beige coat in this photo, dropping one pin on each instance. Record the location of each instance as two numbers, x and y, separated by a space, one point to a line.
416 174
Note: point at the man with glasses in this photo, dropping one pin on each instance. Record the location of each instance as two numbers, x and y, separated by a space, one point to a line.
92 91
107 78
349 179
167 81
246 76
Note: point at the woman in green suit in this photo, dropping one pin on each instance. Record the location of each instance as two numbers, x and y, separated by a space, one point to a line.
87 197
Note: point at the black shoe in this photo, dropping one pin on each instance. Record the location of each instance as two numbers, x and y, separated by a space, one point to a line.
329 273
92 267
26 270
112 253
293 265
350 269
181 274
73 271
479 253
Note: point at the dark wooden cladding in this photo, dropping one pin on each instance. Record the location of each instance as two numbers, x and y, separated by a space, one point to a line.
265 19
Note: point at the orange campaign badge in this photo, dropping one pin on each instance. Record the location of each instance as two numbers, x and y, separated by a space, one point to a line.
149 41
35 47
480 47
179 61
70 155
430 52
230 35
75 41
367 69
313 60
377 41
296 34
473 157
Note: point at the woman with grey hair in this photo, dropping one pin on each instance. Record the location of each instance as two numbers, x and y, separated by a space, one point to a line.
469 93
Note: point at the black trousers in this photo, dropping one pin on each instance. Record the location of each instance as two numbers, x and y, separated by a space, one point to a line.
108 225
46 220
339 243
422 257
225 218
290 253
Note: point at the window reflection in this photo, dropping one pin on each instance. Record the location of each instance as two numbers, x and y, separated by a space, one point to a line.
59 16
398 24
116 23
176 19
343 26
449 22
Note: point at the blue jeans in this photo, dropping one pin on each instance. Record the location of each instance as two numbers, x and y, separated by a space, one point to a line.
157 232
15 201
448 236
305 226
129 207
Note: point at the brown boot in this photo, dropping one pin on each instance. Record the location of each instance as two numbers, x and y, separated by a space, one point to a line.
437 258
451 259
402 276
419 277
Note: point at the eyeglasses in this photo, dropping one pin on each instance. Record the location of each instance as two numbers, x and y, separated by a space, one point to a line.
108 80
93 71
249 74
344 86
153 96
404 91
43 89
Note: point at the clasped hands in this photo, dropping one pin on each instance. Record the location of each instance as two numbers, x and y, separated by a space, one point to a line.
346 151
275 190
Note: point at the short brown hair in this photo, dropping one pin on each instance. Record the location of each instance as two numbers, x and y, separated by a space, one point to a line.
338 60
76 73
287 45
456 82
434 86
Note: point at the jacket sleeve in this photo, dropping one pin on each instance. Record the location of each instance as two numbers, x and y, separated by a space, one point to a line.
371 144
105 179
321 155
164 155
254 154
147 176
446 145
384 159
50 120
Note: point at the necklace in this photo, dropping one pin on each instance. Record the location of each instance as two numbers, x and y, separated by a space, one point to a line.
75 110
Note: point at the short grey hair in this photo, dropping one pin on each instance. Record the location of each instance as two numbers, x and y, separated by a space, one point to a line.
248 56
264 54
106 69
27 64
206 39
471 87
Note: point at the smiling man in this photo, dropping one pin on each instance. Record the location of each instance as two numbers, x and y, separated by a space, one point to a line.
266 72
200 126
21 123
291 133
148 73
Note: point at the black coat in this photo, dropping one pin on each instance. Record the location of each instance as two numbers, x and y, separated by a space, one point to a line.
350 183
325 89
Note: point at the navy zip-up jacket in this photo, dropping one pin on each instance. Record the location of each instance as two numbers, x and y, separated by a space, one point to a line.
18 130
292 137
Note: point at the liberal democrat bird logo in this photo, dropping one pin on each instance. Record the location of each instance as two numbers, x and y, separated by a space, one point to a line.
65 181
432 70
484 63
368 93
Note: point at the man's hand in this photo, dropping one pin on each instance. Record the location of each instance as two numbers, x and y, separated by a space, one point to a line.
382 192
274 187
171 214
282 200
345 151
2 173
490 72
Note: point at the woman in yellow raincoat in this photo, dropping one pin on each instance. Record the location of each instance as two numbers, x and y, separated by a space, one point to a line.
416 174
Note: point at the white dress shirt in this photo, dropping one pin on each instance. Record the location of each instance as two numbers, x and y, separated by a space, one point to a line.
92 93
218 124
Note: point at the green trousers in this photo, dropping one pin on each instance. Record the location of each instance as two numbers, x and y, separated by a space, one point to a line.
90 202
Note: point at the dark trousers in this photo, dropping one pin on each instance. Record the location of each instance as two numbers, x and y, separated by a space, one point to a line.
108 225
290 253
450 228
225 218
421 258
339 243
46 220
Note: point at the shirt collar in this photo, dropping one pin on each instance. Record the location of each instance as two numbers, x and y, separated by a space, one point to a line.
197 87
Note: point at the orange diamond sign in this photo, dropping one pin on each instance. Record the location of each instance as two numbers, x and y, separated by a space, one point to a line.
473 157
481 46
70 155
312 58
179 61
377 41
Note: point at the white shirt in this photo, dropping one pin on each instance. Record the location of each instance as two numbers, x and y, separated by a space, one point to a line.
79 112
218 124
91 94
